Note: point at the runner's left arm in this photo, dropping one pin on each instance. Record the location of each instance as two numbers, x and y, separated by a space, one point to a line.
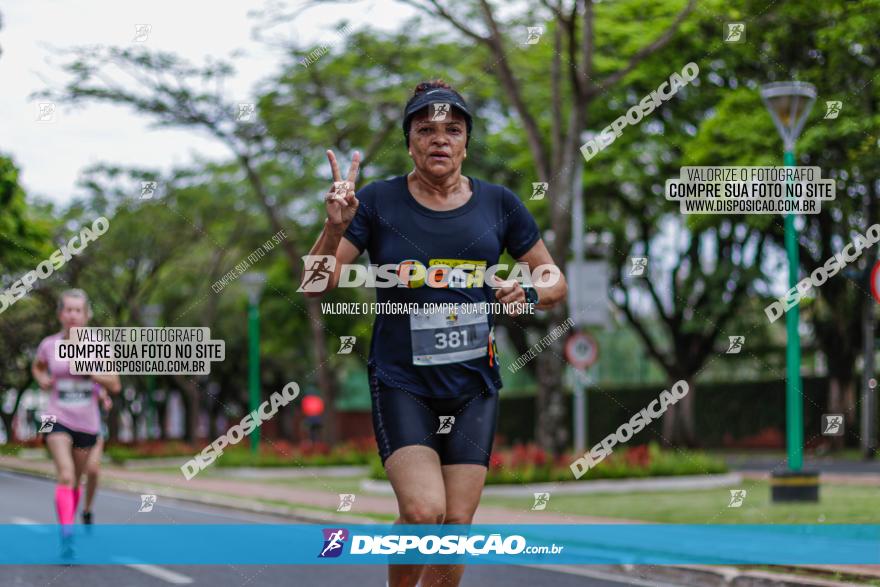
550 283
109 381
105 400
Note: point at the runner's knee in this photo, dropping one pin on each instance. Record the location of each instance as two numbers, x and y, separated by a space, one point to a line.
65 476
458 517
423 511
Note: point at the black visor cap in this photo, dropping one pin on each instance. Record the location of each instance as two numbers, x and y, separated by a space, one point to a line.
433 96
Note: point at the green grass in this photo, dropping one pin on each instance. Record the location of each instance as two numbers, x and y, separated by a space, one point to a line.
642 461
239 456
330 484
839 504
309 507
158 470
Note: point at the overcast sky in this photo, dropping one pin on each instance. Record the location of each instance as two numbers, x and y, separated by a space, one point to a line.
51 155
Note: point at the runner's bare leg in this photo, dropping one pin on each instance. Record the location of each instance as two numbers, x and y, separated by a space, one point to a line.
464 486
93 469
417 478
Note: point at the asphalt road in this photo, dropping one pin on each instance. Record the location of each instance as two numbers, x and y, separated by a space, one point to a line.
29 500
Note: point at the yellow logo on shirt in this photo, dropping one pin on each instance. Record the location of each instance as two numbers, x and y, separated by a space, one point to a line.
455 273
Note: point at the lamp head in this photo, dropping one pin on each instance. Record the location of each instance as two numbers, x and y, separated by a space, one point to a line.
789 104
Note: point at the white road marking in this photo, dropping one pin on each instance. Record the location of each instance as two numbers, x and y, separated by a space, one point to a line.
162 573
28 522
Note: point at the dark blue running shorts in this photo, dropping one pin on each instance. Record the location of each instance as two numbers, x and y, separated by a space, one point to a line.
460 430
80 439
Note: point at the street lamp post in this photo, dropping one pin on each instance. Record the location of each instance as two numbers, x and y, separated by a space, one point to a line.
789 104
577 245
150 314
254 283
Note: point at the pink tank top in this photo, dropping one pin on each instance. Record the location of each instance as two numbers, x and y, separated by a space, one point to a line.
74 398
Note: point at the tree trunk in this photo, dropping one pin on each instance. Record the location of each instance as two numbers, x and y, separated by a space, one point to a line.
7 426
686 417
162 419
10 417
191 403
113 423
551 431
835 406
678 421
285 425
326 381
849 403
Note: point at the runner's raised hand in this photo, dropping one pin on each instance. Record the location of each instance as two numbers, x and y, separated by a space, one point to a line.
340 199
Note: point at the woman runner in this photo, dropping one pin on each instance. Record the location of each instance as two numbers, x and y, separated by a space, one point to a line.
73 412
434 376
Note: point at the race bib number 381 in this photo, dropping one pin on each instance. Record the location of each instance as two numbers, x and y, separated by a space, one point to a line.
443 338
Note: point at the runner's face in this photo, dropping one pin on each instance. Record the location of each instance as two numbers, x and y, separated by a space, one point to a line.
438 147
73 313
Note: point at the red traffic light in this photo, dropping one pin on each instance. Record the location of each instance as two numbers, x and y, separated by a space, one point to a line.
312 405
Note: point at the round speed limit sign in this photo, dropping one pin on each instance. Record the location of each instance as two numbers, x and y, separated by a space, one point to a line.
581 350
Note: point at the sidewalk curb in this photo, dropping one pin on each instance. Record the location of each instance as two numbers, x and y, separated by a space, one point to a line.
689 575
254 473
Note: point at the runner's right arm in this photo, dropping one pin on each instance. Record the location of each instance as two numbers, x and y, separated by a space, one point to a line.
340 213
40 371
40 368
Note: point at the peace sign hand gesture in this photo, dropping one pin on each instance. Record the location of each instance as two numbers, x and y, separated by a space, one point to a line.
340 200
